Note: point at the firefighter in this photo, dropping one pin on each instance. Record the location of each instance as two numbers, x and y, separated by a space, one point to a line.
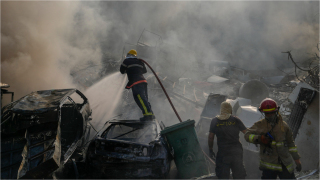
138 84
230 153
276 143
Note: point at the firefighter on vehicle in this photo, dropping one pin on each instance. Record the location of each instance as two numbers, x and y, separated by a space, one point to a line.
276 143
137 83
230 153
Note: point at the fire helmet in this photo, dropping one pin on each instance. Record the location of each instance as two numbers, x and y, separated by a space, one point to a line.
133 52
268 105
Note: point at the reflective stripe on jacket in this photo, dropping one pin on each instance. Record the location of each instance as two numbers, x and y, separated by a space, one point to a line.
283 146
135 70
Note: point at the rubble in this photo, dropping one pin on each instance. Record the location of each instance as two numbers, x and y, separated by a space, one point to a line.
272 79
48 144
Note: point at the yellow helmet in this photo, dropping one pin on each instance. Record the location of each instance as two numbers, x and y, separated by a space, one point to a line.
133 52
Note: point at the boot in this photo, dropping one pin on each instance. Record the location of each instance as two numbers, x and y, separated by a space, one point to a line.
146 118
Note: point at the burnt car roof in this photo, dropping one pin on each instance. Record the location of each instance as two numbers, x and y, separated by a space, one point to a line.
39 101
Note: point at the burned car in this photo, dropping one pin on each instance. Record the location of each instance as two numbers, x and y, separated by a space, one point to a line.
41 131
128 149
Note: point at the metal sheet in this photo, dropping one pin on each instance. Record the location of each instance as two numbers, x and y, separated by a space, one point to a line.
301 104
293 96
40 101
212 107
249 115
216 79
236 103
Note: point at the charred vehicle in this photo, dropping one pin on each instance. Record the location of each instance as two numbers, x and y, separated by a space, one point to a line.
40 132
128 149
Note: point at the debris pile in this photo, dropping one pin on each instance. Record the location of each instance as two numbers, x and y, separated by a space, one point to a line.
51 130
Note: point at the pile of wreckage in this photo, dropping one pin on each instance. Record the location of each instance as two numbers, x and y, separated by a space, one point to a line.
37 138
45 134
40 138
296 93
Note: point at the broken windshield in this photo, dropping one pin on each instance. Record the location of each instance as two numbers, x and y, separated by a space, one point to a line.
140 133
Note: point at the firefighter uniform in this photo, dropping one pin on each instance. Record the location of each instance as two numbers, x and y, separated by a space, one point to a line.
275 157
137 83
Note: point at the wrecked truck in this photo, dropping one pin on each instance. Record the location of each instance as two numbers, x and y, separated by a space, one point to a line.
41 131
128 149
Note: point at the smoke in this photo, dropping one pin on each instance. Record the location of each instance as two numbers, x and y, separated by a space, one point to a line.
42 41
251 35
29 48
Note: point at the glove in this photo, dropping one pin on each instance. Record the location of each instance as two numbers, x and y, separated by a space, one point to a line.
212 154
264 139
298 163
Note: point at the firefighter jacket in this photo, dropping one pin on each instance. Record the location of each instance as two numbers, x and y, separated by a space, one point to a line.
135 70
279 150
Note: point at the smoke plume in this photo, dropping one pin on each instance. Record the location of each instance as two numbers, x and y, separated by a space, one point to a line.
41 41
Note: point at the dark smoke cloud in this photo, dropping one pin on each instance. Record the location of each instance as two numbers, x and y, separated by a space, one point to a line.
42 41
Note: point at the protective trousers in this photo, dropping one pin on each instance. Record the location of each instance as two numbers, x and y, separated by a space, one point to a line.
226 162
140 95
284 174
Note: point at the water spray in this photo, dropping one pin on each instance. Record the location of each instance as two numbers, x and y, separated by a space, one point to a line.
164 90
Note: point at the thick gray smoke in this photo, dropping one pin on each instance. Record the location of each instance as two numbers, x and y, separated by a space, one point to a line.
248 34
42 41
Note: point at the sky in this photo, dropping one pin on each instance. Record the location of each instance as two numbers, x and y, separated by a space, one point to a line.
41 42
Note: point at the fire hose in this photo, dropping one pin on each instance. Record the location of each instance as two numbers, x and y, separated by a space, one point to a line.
165 92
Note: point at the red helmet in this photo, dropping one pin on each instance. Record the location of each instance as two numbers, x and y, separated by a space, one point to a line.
268 105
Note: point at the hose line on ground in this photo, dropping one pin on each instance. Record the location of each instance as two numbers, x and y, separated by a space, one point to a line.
165 92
